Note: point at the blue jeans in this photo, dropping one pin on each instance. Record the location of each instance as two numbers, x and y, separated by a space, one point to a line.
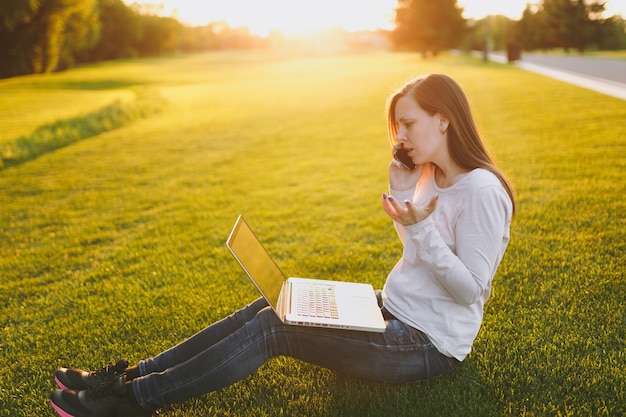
235 347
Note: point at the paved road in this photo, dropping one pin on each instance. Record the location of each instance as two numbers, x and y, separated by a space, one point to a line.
607 76
603 68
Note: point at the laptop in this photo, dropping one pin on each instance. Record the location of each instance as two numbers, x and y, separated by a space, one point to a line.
304 301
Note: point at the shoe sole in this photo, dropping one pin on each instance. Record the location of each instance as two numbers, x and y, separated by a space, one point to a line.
59 383
61 412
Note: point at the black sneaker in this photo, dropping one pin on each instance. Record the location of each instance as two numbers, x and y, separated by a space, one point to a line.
110 399
78 380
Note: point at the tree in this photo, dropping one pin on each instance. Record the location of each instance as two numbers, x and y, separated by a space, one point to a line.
201 38
81 32
38 35
133 31
500 30
562 23
16 12
119 35
428 26
611 33
159 35
531 28
562 18
14 17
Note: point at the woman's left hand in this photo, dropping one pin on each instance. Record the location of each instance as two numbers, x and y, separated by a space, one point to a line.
408 213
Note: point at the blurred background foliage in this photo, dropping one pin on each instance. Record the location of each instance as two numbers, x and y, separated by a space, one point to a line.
39 36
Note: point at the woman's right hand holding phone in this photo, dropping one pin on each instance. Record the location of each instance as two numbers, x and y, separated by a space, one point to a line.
400 177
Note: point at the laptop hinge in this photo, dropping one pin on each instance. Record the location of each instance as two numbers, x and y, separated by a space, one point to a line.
284 301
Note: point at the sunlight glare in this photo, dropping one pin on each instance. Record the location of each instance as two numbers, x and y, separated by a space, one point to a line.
296 17
292 17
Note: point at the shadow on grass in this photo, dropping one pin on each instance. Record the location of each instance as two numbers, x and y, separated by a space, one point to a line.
49 83
52 136
464 392
112 84
287 387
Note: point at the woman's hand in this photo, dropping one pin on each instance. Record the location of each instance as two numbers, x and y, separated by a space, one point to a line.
408 213
400 178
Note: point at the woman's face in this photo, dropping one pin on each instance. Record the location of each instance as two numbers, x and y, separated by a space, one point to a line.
418 132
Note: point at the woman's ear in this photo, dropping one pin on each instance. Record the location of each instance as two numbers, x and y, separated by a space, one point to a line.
443 123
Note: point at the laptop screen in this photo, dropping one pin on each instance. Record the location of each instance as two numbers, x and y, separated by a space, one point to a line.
256 261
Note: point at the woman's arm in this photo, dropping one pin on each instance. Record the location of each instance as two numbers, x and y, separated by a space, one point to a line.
479 234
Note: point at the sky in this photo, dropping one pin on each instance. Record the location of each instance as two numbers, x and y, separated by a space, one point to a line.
301 16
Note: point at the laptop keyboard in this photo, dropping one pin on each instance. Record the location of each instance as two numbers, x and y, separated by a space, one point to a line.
314 300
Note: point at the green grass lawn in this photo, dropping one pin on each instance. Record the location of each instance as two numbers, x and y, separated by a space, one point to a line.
114 245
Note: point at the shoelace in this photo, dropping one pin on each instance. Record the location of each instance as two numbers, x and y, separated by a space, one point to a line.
110 369
105 389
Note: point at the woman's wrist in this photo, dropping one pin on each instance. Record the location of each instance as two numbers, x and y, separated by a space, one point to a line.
402 194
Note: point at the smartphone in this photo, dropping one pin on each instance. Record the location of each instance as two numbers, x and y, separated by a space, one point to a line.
401 156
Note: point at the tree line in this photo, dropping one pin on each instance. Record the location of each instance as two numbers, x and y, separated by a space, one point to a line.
431 26
569 25
38 36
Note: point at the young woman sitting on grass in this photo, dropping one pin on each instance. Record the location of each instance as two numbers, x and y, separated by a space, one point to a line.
452 212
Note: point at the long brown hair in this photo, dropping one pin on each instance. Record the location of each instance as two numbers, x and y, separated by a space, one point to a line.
439 93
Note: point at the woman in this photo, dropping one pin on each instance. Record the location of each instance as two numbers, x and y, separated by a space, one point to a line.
452 213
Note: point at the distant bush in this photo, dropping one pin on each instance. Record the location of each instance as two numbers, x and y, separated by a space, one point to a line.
52 136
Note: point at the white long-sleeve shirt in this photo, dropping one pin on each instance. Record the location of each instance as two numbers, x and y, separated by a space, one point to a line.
443 279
